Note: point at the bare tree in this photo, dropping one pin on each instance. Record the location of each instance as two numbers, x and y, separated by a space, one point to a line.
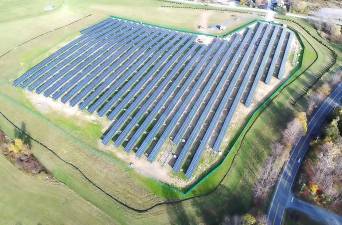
293 132
279 155
2 137
328 168
336 78
328 30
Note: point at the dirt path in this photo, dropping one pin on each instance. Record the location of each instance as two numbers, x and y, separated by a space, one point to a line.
204 18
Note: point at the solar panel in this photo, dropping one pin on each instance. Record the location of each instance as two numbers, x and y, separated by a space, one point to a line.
128 74
132 71
185 79
195 132
177 100
98 73
107 49
153 70
155 84
99 26
202 94
219 90
109 78
59 59
237 76
110 134
285 56
275 57
161 97
146 107
261 68
124 75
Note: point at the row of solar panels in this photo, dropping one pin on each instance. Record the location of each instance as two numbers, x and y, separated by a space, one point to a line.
156 84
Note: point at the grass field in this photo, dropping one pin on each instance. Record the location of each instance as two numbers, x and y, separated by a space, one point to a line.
23 196
64 136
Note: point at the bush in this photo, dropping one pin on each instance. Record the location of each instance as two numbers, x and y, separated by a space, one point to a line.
17 146
281 10
248 219
338 115
332 132
300 7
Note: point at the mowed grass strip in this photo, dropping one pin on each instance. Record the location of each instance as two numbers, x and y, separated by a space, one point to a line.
74 180
103 168
18 9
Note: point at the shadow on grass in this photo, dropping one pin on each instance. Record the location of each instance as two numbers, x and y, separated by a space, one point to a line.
224 202
235 194
177 213
294 218
23 135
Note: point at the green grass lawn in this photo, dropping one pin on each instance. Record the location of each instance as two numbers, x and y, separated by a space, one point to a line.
113 176
18 9
32 200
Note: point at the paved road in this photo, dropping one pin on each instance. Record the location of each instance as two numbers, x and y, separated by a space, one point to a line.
283 197
314 212
316 18
268 13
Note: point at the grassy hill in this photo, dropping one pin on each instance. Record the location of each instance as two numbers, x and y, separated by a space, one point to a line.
32 200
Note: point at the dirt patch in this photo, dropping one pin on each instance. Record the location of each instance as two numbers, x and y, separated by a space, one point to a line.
203 19
48 105
29 163
221 22
141 165
49 8
20 155
205 40
153 170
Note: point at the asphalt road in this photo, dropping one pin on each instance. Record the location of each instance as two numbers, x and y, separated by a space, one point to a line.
283 198
269 13
314 212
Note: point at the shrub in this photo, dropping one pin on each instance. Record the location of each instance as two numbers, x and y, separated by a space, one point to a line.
17 146
248 219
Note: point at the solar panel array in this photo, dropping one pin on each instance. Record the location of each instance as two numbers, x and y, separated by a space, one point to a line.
157 84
